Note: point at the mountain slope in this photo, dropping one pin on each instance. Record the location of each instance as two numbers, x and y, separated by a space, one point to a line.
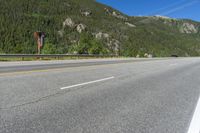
85 26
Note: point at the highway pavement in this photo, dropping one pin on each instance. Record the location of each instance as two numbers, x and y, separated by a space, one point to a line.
101 96
43 65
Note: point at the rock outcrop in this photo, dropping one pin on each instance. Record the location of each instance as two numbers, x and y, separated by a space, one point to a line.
68 22
86 13
119 16
80 28
130 25
114 45
188 28
115 14
101 35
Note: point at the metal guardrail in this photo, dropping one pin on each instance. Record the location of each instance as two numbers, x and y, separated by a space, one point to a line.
51 55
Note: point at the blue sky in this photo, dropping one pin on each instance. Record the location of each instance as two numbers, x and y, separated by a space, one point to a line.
171 8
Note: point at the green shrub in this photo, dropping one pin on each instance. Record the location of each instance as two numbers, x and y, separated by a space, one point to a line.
49 48
1 51
88 45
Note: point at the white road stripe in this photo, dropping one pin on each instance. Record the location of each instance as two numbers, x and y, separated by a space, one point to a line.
86 83
195 123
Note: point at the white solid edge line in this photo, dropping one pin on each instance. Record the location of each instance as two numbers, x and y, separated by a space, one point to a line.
195 122
86 83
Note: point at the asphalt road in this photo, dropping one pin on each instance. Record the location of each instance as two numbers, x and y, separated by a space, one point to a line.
100 96
43 65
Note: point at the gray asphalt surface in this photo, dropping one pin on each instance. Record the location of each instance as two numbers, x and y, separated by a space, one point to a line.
43 65
151 96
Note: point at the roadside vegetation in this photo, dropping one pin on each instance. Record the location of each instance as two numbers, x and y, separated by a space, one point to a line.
87 27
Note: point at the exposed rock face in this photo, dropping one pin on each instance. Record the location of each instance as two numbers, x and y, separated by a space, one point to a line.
107 11
117 15
114 45
150 56
130 25
80 28
86 13
188 28
146 55
101 35
68 22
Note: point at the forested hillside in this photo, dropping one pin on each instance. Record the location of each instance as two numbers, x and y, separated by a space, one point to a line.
87 27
